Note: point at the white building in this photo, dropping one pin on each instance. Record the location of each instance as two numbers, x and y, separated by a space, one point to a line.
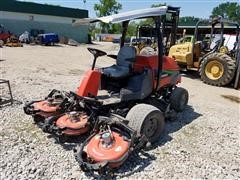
18 17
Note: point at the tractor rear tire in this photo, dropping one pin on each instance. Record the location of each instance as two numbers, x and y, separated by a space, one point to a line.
146 120
179 99
222 77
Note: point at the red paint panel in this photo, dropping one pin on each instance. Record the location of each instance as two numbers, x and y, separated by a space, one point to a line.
90 83
164 82
169 64
151 62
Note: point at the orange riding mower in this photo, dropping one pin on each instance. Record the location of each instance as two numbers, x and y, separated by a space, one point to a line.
123 106
117 89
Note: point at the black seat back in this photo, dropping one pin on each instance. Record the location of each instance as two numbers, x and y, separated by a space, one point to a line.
126 56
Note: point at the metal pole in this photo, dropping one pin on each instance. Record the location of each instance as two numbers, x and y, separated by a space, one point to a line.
160 51
10 92
124 32
237 79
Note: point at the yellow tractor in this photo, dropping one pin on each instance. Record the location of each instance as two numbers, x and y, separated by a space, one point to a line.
215 57
144 41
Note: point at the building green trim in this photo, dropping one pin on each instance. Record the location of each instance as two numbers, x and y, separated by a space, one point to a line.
42 9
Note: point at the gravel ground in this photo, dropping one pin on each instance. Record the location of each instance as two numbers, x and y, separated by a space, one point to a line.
202 143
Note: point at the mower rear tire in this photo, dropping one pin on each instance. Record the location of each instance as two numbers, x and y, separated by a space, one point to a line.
179 99
146 120
217 69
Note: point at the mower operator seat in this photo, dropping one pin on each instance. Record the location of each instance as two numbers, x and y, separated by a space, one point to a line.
123 67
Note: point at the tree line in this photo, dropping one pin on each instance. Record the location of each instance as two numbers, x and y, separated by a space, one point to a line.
228 10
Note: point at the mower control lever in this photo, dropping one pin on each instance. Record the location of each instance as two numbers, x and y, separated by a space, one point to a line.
96 53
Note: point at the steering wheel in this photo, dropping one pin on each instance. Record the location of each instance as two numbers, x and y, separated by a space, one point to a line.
96 52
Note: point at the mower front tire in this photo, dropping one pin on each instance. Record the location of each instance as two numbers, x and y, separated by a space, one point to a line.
179 99
146 120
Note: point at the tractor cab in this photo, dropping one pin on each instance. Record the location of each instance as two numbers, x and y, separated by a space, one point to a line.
145 40
191 49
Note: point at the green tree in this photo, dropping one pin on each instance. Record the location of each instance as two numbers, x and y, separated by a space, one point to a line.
115 29
228 10
132 27
188 21
106 8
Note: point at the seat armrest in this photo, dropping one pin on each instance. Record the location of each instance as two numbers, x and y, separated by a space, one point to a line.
112 56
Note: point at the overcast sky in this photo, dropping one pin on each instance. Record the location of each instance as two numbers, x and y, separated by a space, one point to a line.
197 8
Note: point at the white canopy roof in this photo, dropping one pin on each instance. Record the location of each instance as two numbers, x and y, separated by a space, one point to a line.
125 16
